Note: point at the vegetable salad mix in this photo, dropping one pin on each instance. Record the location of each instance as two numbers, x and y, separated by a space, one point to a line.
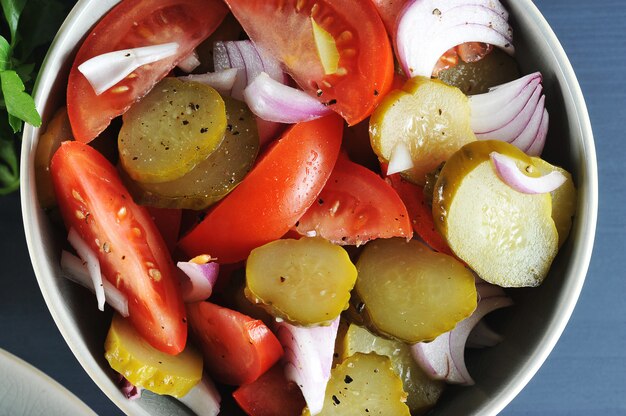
310 204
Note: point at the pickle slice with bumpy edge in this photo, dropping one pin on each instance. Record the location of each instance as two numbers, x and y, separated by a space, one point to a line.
172 129
423 392
146 367
364 384
431 118
496 68
213 178
507 237
563 199
305 282
412 293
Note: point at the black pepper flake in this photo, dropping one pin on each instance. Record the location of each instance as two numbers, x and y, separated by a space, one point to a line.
282 279
297 223
185 122
203 130
320 201
319 93
440 112
235 133
360 307
135 158
331 102
336 400
184 320
127 55
348 379
229 127
376 93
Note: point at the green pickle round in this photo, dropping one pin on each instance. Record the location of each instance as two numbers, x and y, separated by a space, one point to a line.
213 178
172 129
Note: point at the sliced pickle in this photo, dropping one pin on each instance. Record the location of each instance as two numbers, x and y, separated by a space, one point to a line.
563 199
145 366
213 178
412 293
423 392
497 68
431 118
305 282
507 237
172 129
364 384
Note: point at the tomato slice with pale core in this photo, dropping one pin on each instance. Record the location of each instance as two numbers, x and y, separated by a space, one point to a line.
236 348
132 253
356 206
274 195
365 67
131 24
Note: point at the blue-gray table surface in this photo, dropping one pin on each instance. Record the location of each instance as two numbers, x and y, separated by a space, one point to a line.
586 372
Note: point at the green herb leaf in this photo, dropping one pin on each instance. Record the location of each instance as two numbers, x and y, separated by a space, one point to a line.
5 54
12 10
40 21
19 104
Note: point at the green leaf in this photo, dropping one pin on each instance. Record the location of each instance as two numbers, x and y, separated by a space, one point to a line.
5 54
19 104
9 168
12 10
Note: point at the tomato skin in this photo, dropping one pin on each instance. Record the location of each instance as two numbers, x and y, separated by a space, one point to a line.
366 56
130 24
274 195
420 213
270 395
236 348
132 253
356 206
168 221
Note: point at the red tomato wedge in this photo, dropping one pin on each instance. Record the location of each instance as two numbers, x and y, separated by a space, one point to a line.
270 395
389 11
365 67
131 251
420 212
356 206
274 195
236 348
131 24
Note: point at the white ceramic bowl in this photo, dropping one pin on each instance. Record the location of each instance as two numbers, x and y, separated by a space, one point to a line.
530 329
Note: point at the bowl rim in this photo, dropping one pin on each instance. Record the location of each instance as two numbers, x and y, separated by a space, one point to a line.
568 295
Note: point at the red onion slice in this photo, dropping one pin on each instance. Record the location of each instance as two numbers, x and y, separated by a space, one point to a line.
106 70
222 80
498 97
129 390
273 101
76 270
249 61
400 159
513 112
444 358
308 359
93 265
200 277
527 137
509 172
426 29
540 140
190 62
507 111
203 399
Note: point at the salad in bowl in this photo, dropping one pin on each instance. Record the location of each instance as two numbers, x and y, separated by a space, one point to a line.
309 207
